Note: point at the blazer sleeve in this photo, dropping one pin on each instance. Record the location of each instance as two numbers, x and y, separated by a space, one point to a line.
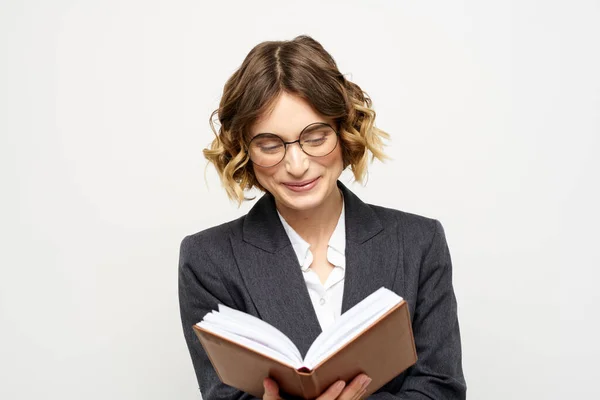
438 372
200 291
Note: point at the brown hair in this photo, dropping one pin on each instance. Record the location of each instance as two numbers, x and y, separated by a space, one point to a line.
299 67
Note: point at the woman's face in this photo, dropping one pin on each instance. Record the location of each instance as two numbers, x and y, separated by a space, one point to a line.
299 182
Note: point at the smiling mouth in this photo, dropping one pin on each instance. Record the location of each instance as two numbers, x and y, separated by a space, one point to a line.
301 186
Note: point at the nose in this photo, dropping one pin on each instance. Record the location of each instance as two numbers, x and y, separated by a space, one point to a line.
296 161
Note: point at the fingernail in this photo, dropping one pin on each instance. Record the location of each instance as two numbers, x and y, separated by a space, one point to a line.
340 385
365 382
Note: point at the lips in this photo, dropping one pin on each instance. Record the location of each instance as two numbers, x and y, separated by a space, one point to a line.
298 184
302 186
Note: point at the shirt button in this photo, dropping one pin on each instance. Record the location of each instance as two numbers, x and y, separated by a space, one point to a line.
322 301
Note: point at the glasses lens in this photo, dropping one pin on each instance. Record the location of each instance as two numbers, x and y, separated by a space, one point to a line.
266 150
318 140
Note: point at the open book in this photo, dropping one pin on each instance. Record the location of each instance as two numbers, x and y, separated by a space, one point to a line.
374 337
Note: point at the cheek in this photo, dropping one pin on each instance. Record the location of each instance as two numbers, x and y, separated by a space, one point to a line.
334 160
263 175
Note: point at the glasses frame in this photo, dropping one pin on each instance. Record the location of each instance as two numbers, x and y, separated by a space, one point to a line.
285 144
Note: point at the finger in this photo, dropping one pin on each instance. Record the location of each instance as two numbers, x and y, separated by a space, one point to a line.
360 395
354 389
332 391
271 389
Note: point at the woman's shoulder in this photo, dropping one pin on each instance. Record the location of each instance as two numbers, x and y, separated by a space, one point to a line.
419 234
411 224
392 216
215 237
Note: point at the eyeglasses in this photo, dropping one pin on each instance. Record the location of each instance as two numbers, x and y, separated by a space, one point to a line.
317 140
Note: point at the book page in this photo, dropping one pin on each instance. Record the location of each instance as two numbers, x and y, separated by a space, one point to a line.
350 324
282 342
253 333
251 344
234 324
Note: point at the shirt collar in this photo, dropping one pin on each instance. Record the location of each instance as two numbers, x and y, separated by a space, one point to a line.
301 246
336 249
337 241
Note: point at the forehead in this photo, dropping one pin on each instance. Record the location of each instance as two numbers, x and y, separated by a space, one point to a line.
289 115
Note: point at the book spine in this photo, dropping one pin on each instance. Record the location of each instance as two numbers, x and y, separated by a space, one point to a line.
309 385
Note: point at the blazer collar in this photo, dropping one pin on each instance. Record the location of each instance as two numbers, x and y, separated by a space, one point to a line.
263 229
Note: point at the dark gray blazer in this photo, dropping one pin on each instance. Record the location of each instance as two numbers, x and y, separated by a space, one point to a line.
249 264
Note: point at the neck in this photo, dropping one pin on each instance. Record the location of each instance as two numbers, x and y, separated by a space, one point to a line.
317 224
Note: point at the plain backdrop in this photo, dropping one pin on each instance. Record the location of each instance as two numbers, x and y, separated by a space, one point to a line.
494 112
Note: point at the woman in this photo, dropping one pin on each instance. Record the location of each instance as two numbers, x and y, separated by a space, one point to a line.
310 249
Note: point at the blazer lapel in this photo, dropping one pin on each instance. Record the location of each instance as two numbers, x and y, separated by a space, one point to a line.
273 277
372 255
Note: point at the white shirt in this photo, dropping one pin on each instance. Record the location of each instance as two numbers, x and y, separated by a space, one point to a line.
326 298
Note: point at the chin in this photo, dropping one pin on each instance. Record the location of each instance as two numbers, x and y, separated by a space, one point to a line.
301 201
305 204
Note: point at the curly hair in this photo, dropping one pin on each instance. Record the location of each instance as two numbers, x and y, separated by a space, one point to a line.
299 67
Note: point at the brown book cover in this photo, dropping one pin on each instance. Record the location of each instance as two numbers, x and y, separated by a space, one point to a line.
382 351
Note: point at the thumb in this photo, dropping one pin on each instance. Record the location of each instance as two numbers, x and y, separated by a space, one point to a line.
271 389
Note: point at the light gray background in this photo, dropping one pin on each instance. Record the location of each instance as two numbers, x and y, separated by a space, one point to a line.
494 111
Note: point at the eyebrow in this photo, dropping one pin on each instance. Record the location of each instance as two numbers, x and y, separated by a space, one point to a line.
274 133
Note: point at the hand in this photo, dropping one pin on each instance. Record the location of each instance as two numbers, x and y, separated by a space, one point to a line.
338 391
